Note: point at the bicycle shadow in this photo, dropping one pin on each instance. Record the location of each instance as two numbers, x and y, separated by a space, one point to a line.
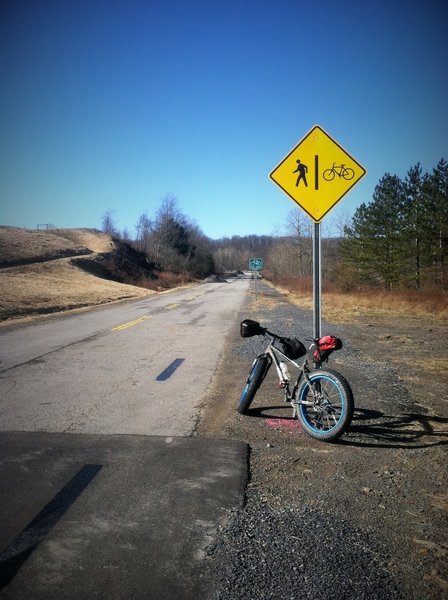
261 412
408 430
375 429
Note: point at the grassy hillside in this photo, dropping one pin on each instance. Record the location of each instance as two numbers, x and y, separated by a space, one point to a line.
44 272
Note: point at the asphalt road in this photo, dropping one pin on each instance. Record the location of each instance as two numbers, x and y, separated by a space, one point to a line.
103 493
136 368
113 517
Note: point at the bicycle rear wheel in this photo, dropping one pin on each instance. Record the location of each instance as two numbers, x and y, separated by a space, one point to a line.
329 405
256 375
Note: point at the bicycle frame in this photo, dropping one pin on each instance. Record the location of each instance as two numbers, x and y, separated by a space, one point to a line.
339 169
278 356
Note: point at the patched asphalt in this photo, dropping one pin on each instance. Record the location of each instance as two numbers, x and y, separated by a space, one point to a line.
113 516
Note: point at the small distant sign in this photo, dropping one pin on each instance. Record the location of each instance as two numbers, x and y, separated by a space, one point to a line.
255 264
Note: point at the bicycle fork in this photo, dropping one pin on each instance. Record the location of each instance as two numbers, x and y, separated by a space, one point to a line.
293 396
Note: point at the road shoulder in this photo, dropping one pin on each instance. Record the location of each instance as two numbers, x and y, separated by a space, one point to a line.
377 499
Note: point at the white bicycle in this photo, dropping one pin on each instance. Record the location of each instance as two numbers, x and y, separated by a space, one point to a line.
322 399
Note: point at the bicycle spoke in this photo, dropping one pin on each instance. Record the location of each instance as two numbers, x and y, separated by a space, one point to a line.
325 410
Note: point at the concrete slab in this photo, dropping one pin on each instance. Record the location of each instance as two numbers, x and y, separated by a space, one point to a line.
112 516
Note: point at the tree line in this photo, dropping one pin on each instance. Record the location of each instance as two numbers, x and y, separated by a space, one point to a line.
170 241
397 240
400 239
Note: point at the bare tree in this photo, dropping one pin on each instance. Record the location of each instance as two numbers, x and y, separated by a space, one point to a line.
108 224
300 228
144 230
125 236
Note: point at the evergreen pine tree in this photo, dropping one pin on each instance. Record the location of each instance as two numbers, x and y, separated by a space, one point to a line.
437 194
374 242
416 215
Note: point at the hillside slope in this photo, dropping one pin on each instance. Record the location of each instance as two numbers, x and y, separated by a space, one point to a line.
44 272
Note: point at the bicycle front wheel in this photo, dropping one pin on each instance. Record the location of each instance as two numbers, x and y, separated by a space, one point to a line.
257 374
328 175
325 405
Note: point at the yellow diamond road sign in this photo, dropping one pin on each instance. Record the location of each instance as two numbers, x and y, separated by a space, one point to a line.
317 173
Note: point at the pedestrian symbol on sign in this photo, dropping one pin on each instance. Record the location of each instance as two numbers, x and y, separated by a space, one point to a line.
302 170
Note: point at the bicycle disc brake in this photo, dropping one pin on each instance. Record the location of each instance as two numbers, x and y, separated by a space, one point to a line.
322 407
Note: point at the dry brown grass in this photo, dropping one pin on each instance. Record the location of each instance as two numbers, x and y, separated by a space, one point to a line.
23 244
20 244
346 306
167 280
97 241
426 305
54 285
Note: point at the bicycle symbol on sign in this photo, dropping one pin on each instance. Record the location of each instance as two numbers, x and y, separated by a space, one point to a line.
340 171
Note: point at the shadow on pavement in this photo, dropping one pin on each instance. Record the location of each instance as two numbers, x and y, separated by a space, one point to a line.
113 516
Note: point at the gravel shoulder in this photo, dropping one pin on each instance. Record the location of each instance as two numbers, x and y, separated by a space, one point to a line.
362 518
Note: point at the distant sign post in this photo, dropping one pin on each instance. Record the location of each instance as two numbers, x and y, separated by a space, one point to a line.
255 265
316 174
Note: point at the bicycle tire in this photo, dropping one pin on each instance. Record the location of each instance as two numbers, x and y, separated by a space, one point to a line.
333 405
328 175
256 375
348 174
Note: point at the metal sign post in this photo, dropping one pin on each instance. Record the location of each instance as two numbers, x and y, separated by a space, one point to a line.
255 265
317 282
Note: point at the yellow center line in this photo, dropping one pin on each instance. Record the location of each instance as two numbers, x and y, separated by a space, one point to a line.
126 325
171 306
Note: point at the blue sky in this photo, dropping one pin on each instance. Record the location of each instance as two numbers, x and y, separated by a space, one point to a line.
112 105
